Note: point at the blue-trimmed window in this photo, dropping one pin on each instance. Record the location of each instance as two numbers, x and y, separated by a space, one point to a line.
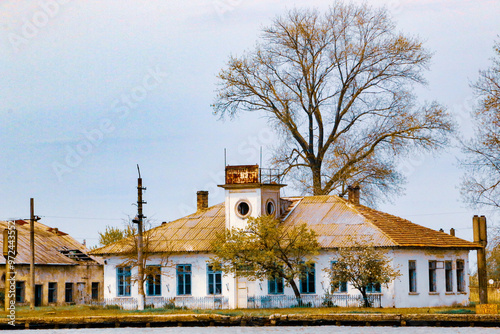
183 279
123 279
153 281
214 280
448 275
308 280
460 276
412 274
374 288
432 276
338 287
275 286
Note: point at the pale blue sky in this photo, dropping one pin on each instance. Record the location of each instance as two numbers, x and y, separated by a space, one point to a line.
138 78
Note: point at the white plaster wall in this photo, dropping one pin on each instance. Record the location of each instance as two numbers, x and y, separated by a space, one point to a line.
423 298
273 194
252 196
396 294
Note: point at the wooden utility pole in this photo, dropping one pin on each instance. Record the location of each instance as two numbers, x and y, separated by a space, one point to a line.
480 236
32 259
140 256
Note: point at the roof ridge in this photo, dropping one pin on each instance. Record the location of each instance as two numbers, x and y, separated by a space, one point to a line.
354 207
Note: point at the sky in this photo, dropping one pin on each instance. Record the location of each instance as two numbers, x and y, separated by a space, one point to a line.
90 89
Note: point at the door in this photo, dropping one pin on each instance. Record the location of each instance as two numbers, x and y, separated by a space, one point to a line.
242 300
80 293
38 294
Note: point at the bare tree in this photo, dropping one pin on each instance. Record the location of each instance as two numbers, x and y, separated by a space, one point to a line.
126 242
338 88
481 184
362 264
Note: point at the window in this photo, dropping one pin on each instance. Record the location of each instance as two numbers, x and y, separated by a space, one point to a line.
448 273
123 279
460 276
339 287
52 296
374 288
412 274
270 207
184 279
68 293
214 281
95 290
20 292
153 281
243 209
432 276
275 285
307 280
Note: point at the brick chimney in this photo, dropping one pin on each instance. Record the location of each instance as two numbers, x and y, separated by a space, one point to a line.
353 194
201 200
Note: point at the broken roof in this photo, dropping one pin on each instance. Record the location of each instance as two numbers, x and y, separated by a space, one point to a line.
334 219
52 247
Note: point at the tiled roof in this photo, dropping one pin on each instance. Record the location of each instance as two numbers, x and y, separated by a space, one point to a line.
51 246
334 219
193 233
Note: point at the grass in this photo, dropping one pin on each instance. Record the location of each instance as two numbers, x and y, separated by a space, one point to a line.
85 310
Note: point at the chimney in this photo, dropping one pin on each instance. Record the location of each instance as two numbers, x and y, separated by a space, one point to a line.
452 231
353 194
201 200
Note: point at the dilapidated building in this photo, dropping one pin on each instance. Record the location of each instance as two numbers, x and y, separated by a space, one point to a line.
433 264
64 272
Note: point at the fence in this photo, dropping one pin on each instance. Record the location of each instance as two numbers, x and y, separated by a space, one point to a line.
128 303
253 302
312 301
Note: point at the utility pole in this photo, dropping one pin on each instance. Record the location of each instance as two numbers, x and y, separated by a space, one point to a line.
32 259
480 237
140 256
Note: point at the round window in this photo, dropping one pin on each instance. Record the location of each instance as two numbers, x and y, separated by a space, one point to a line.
243 209
270 207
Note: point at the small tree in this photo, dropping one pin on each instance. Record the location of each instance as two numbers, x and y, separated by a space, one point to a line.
114 234
127 238
266 249
362 264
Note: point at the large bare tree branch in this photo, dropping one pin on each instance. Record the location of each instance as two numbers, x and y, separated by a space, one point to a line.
338 86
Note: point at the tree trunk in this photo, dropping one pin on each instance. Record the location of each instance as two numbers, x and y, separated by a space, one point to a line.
366 302
316 174
296 291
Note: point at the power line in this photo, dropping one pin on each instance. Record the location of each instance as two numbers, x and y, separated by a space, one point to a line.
87 218
445 213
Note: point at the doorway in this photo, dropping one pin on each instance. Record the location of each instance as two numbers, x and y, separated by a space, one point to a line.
242 300
38 294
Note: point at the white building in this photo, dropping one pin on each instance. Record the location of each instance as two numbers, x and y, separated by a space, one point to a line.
433 265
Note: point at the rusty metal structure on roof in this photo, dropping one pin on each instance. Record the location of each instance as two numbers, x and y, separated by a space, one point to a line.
242 174
252 174
335 220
